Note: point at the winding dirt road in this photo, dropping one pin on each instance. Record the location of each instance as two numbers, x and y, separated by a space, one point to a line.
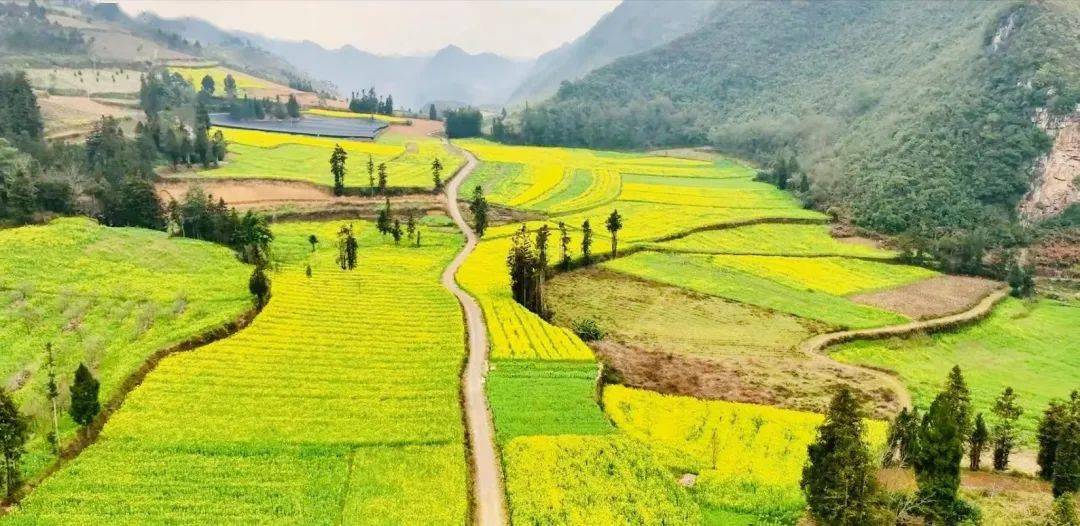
489 506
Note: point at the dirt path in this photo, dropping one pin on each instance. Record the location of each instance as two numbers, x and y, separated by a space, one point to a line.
816 345
489 506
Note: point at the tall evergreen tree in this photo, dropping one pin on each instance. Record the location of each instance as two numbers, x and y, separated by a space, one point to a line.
564 246
84 397
14 431
208 85
347 247
384 220
957 388
396 232
230 85
337 168
1067 459
903 438
542 235
292 107
432 115
526 275
371 173
52 393
614 224
977 442
1051 426
479 208
436 173
383 179
937 462
259 286
1006 413
838 479
586 242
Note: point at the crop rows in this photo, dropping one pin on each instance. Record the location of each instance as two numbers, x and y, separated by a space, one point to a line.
337 403
107 297
772 239
194 76
350 115
258 154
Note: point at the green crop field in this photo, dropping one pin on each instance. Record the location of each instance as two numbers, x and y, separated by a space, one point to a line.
771 240
267 155
339 404
1034 347
107 297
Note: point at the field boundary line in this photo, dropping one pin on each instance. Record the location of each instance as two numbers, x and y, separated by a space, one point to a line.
488 496
92 432
817 345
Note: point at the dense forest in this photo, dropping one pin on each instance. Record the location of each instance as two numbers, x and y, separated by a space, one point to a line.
909 117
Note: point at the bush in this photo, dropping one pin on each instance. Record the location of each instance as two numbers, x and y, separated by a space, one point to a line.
588 330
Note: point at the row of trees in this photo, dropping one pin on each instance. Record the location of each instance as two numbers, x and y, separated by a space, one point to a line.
385 223
367 101
15 427
839 477
463 122
247 109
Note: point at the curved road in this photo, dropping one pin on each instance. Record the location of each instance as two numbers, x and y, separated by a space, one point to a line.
489 506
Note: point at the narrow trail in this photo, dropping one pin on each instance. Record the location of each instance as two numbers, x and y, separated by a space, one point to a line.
815 346
489 506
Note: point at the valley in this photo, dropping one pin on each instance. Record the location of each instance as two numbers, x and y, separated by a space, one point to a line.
733 264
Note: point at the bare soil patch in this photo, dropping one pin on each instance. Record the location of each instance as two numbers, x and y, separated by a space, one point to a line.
418 128
899 479
75 115
792 383
931 298
1058 254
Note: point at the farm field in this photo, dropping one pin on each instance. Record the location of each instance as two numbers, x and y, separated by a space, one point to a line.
751 296
268 155
334 406
1032 346
106 297
86 81
322 112
245 84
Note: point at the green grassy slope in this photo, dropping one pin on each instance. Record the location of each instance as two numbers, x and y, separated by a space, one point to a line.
107 297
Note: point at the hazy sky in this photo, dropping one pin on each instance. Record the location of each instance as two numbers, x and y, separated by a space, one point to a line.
515 28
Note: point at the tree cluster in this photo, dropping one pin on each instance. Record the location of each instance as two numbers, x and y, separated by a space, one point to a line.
264 108
367 101
463 122
26 28
198 216
527 264
1059 445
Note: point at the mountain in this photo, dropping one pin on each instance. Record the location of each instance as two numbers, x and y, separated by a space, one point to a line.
450 74
909 117
632 27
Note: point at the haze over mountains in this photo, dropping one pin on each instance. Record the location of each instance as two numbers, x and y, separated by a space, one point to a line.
452 76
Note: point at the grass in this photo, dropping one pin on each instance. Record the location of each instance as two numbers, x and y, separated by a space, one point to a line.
702 273
772 240
748 458
244 82
336 403
544 397
267 155
107 297
1034 347
645 314
350 115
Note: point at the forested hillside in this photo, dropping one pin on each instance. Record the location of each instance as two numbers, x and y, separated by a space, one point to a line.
909 117
631 28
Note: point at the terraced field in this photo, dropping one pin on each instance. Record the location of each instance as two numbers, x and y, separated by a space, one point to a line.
107 297
244 83
350 115
739 261
339 404
266 155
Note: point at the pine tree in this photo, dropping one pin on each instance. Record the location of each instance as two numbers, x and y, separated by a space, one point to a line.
436 173
292 107
384 220
957 389
586 242
937 462
838 479
14 431
219 146
259 286
1050 427
432 115
410 224
347 246
614 224
84 397
1006 413
977 442
230 85
1067 459
371 173
52 393
207 85
382 178
396 232
903 438
525 273
337 168
564 246
479 208
542 235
